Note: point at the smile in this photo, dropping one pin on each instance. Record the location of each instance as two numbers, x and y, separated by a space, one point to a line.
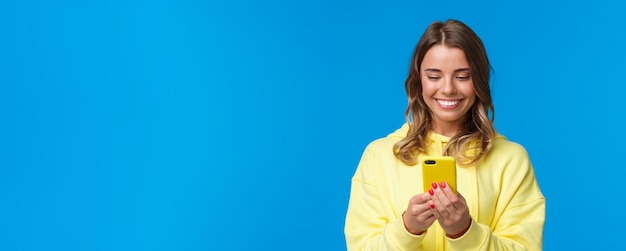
448 103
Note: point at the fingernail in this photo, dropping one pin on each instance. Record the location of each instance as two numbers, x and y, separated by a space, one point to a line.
431 192
443 184
435 185
432 206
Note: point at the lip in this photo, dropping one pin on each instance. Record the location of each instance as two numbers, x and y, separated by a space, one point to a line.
448 104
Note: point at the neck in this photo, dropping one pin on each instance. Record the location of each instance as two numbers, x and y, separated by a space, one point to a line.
447 129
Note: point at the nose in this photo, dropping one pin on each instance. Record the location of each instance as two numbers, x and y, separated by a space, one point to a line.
448 87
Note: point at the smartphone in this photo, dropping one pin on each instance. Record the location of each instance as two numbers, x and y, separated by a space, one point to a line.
438 169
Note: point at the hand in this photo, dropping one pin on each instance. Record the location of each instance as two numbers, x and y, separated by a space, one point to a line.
418 216
450 209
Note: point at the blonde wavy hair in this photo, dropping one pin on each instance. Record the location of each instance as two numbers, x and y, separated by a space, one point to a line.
476 138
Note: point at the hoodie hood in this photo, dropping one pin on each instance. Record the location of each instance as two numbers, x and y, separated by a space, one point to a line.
436 142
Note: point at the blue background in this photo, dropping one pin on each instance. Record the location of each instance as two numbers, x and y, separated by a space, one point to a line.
192 125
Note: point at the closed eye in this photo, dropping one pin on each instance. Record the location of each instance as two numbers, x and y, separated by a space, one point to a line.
433 78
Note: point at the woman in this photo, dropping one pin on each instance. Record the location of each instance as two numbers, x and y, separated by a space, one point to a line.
499 205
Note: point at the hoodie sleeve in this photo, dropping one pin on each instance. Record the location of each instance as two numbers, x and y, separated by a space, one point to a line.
520 210
367 227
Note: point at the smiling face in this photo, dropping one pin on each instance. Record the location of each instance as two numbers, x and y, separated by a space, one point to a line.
447 88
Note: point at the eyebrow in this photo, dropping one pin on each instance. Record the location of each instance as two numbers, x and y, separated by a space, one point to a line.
437 70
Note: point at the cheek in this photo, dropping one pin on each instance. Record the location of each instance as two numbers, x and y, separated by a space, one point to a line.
467 89
428 88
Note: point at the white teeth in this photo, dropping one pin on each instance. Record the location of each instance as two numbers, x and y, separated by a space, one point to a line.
448 102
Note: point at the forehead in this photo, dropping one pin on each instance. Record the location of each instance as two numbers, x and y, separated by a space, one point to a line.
444 58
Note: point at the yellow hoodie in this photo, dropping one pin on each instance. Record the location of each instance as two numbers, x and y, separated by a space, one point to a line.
504 200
